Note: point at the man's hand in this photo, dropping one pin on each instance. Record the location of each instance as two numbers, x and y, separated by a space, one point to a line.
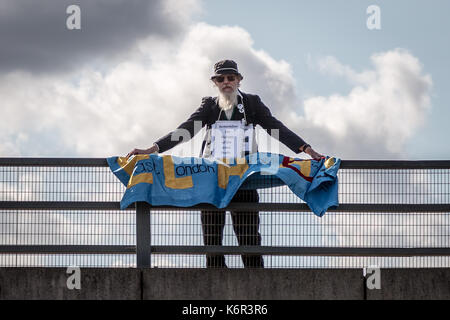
313 154
152 149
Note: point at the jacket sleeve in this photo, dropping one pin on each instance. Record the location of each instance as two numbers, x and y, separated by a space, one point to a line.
187 130
266 120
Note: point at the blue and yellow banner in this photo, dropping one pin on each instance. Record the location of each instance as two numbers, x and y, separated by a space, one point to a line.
187 181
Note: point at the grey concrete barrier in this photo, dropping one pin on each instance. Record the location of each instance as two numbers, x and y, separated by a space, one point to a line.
51 284
255 284
173 284
221 284
412 284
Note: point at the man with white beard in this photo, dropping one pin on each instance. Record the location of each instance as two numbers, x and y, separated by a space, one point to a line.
231 104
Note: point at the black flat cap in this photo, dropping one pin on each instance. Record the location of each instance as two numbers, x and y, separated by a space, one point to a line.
225 67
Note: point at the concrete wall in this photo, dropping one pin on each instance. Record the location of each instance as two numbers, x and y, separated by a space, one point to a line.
242 284
51 283
236 284
412 284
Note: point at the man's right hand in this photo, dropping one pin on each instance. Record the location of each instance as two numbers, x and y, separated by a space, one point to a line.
313 154
152 149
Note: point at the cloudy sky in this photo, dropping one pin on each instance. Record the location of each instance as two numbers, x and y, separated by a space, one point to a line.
136 69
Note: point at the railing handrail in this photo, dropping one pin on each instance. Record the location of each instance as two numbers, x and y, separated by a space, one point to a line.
345 164
231 250
261 206
53 162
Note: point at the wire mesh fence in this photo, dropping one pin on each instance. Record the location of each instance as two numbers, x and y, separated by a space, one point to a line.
173 230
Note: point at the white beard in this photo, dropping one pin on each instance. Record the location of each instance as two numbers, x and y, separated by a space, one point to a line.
227 100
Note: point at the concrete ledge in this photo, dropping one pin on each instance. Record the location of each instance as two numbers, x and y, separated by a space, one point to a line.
257 284
412 284
51 284
174 284
222 284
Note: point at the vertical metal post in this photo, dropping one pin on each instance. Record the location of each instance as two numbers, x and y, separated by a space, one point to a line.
143 236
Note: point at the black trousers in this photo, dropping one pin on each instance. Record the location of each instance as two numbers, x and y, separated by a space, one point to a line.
245 225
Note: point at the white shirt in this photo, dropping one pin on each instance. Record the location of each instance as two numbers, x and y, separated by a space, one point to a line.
229 113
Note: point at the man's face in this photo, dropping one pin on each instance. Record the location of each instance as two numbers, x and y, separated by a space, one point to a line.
227 83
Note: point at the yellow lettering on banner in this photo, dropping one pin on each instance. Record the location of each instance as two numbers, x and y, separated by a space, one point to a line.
171 181
128 165
329 162
224 172
140 178
305 166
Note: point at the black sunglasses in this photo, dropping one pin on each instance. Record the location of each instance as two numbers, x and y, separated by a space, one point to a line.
222 78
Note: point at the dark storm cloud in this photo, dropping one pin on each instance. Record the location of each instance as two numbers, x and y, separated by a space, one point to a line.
34 36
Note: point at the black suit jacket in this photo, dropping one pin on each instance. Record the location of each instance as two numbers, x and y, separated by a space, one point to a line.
209 111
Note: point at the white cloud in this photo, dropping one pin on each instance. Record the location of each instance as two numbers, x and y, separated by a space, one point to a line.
35 37
380 113
95 114
92 113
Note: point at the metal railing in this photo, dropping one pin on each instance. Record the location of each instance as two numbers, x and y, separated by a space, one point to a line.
57 212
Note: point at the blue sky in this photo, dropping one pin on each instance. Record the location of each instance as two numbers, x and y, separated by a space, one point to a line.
298 31
102 90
